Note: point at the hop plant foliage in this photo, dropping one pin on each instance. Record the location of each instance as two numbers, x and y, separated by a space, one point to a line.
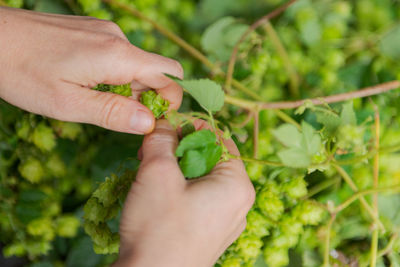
49 167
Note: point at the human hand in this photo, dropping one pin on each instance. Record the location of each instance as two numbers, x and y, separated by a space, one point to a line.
49 63
170 221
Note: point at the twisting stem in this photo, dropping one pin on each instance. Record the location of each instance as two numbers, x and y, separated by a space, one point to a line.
293 76
321 186
353 186
256 131
375 233
253 27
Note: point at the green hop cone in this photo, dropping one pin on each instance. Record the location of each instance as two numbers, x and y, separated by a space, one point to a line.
155 103
56 166
270 204
231 262
249 246
100 233
14 249
67 226
276 257
296 188
94 211
67 130
42 227
43 137
31 170
106 193
309 212
257 224
23 128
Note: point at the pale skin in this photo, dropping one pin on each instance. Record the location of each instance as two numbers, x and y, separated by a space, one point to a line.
48 65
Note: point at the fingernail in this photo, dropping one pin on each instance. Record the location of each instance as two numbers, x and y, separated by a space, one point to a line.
142 122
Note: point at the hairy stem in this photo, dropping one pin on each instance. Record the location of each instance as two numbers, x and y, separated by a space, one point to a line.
252 28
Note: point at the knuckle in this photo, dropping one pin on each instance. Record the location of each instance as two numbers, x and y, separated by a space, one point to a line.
245 195
111 107
112 27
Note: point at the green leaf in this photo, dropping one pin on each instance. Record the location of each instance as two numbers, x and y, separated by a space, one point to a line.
206 92
288 135
195 141
220 37
347 115
330 122
390 43
199 153
294 157
311 141
196 163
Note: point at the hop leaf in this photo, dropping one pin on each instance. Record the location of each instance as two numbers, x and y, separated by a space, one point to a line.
155 103
206 92
199 153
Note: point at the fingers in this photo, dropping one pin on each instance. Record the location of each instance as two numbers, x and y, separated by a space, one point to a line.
159 163
122 63
106 110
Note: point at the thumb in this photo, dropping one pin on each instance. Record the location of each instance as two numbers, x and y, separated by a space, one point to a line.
158 149
107 110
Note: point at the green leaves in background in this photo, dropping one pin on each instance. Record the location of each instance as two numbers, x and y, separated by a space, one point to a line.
220 37
199 153
390 43
207 93
300 146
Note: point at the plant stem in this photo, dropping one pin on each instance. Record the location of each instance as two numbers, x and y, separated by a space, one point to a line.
389 246
328 240
375 233
353 186
321 186
359 194
211 118
258 161
256 131
252 28
293 76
